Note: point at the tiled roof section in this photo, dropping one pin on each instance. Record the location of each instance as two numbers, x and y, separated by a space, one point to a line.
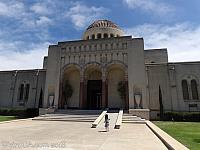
103 23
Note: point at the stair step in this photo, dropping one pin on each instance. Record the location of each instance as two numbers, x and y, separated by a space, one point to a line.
131 118
70 115
136 121
70 120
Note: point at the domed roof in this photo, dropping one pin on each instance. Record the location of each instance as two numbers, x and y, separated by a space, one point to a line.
103 24
102 29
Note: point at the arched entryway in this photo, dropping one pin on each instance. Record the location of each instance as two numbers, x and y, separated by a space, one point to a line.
93 86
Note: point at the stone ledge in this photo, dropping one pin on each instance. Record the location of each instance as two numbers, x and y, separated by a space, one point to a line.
143 113
119 120
96 122
43 111
15 120
169 142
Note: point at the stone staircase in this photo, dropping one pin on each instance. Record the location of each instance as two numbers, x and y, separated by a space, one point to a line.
70 115
129 118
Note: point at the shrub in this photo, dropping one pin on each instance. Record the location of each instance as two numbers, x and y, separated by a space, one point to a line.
182 116
67 91
20 113
32 112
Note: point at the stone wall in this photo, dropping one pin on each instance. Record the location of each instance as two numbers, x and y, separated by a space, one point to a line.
83 54
158 77
155 56
10 82
136 73
184 71
169 77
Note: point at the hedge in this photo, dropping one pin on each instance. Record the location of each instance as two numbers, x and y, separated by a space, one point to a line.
182 116
20 113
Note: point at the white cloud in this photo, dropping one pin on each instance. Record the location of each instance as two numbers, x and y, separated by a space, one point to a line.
11 59
11 8
41 8
24 42
43 21
181 40
81 14
155 6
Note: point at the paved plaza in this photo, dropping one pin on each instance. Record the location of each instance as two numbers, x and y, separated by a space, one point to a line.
32 134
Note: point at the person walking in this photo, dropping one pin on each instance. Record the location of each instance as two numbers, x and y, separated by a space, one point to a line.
106 122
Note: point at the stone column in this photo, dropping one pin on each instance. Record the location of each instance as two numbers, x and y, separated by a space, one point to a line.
104 93
85 94
60 96
127 92
81 91
126 97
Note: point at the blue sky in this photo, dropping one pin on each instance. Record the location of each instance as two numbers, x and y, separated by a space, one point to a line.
27 27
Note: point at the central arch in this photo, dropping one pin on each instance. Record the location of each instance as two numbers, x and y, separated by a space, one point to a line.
93 81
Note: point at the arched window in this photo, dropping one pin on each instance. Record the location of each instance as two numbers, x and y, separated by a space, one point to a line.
21 92
194 90
185 90
105 35
98 35
24 92
27 92
87 37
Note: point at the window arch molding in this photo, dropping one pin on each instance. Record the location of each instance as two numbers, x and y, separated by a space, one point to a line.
23 91
185 89
192 84
194 89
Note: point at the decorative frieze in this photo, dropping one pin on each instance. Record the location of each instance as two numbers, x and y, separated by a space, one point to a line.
121 46
103 58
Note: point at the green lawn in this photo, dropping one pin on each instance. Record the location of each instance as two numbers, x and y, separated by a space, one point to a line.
188 133
7 118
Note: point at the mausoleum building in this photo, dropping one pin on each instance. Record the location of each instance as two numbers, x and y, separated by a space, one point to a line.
105 69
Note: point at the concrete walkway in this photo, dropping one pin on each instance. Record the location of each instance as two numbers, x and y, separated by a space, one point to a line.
60 135
113 119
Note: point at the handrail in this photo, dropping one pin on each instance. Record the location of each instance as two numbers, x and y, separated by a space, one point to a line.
97 121
119 119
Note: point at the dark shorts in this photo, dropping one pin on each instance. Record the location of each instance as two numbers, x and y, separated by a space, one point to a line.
106 124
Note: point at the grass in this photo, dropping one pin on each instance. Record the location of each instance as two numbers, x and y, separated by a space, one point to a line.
7 118
188 133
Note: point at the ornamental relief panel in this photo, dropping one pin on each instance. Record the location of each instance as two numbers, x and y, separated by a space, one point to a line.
102 58
94 47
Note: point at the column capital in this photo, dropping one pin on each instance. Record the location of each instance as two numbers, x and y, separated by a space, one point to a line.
103 76
81 76
126 76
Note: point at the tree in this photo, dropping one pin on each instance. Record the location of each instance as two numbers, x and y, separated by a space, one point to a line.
67 91
121 90
161 103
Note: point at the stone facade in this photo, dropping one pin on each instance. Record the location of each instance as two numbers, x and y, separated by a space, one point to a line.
22 88
94 67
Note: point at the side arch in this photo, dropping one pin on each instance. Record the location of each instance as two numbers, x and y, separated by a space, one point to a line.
71 73
75 65
116 73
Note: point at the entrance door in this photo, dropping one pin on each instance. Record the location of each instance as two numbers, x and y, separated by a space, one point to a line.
94 94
